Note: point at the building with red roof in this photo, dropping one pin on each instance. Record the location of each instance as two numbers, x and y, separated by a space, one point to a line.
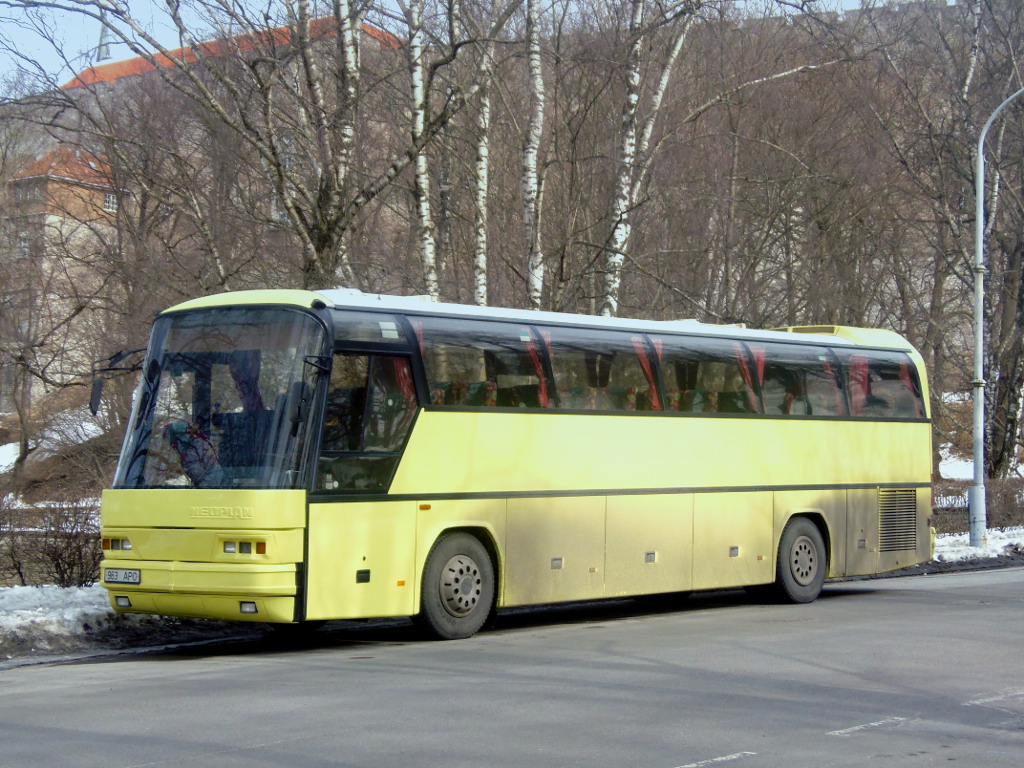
66 182
324 28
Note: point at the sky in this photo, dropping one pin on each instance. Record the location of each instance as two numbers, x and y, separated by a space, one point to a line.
23 36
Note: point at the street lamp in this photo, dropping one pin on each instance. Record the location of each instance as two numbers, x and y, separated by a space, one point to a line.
976 493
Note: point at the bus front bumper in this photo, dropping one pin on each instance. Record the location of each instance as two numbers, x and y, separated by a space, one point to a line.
239 592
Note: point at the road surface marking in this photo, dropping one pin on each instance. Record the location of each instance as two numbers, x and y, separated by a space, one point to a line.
865 726
717 760
994 699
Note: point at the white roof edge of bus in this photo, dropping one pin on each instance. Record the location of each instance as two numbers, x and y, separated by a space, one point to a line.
354 299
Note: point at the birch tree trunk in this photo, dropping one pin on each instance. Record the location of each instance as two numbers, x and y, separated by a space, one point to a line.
482 166
635 152
622 202
424 216
349 29
532 184
482 191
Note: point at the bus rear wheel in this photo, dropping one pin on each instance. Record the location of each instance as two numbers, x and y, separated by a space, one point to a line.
803 562
458 587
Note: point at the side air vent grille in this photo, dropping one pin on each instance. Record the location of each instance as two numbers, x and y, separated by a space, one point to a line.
897 519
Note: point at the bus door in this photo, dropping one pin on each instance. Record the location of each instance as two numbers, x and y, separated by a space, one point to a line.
370 408
361 546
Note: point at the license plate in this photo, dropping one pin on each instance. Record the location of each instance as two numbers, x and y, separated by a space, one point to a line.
122 575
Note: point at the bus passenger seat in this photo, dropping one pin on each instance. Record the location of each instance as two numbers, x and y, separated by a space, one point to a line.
482 393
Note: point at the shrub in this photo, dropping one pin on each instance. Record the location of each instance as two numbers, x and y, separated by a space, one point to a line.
1005 502
12 557
56 543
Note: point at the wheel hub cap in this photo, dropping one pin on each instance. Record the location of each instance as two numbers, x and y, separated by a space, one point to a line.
804 561
460 585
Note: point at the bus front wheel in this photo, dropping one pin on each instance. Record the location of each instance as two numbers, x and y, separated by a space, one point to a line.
457 592
803 562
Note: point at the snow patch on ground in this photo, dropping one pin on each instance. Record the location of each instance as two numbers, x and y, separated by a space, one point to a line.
51 608
46 618
8 455
955 547
49 619
72 427
953 467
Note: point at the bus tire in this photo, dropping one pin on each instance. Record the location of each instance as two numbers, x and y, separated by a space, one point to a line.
803 562
458 587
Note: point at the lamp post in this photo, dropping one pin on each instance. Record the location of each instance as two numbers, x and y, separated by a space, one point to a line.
976 493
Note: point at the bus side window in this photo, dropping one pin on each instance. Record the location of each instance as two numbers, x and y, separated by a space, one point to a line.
346 403
601 370
799 381
706 376
371 405
883 385
392 404
481 363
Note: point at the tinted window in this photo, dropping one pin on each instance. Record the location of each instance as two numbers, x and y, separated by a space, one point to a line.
882 385
798 381
367 327
706 375
371 404
474 363
602 371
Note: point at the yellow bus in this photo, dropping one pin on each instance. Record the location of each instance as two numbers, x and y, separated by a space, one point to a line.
298 456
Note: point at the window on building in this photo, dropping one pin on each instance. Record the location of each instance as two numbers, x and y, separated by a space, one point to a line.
110 202
8 381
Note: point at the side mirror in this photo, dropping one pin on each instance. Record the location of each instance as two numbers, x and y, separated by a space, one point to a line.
96 396
107 364
297 406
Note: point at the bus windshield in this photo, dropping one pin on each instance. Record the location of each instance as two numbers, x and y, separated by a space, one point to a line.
224 401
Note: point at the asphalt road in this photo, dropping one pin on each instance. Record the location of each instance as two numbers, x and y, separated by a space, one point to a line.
915 671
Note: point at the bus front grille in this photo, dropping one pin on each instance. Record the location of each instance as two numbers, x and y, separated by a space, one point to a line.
897 519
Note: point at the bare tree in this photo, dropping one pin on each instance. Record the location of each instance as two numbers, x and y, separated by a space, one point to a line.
533 185
932 134
482 166
417 51
634 138
298 90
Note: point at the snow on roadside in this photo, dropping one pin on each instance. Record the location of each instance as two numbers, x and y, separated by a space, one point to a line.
53 620
955 547
50 620
52 609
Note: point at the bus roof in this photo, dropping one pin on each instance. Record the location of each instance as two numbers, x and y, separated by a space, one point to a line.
345 298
